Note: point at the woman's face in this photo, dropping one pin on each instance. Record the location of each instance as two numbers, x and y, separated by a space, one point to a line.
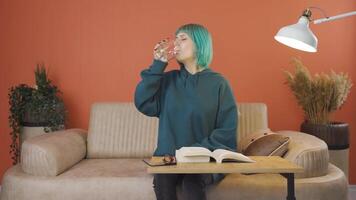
185 47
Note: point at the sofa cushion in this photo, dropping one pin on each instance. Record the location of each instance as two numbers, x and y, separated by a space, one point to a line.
95 168
51 154
265 144
252 118
90 179
307 151
119 130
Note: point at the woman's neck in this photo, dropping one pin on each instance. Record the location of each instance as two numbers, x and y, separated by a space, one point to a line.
192 67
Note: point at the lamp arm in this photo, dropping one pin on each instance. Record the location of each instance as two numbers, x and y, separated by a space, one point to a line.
318 21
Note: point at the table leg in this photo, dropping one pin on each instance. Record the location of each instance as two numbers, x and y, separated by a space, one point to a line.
290 185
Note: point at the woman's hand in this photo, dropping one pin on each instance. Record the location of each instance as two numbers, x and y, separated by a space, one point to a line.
160 51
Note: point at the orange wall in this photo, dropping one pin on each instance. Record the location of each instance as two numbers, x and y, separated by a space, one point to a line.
96 49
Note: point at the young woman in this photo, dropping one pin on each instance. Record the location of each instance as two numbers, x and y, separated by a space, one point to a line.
194 104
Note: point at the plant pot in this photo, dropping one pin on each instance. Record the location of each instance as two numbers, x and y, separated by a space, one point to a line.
335 135
27 132
34 123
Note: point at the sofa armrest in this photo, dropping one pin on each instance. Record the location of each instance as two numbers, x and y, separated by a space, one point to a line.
307 151
51 154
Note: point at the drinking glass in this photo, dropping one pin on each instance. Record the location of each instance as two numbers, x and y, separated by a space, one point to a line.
167 48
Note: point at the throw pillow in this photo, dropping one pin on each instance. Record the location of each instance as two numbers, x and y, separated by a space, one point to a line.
266 144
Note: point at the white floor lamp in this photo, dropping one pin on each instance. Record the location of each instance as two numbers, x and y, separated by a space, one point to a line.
299 36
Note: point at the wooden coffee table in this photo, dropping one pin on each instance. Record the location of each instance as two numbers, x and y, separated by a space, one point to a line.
263 164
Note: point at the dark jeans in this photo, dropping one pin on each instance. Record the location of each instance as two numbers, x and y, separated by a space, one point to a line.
193 185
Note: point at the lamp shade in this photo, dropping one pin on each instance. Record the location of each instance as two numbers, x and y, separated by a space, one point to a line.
298 36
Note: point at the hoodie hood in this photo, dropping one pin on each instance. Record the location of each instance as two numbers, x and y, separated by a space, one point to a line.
192 79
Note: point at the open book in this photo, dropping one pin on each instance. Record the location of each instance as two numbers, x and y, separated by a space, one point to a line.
201 154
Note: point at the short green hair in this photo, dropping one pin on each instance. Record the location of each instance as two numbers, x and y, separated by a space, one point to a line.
202 41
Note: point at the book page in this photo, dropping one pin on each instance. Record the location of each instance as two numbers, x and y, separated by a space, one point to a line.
194 151
220 154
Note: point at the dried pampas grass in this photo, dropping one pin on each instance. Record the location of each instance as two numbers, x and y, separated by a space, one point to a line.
319 95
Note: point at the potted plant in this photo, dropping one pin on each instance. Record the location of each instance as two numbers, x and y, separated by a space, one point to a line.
34 108
319 96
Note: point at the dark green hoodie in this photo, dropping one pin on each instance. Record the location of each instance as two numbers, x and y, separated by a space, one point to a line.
193 109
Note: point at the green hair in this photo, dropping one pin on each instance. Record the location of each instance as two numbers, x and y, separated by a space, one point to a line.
202 41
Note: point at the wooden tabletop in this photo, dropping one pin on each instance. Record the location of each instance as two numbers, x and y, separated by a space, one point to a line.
263 164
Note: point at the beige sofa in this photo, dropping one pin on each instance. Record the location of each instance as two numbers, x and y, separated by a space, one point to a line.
105 163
